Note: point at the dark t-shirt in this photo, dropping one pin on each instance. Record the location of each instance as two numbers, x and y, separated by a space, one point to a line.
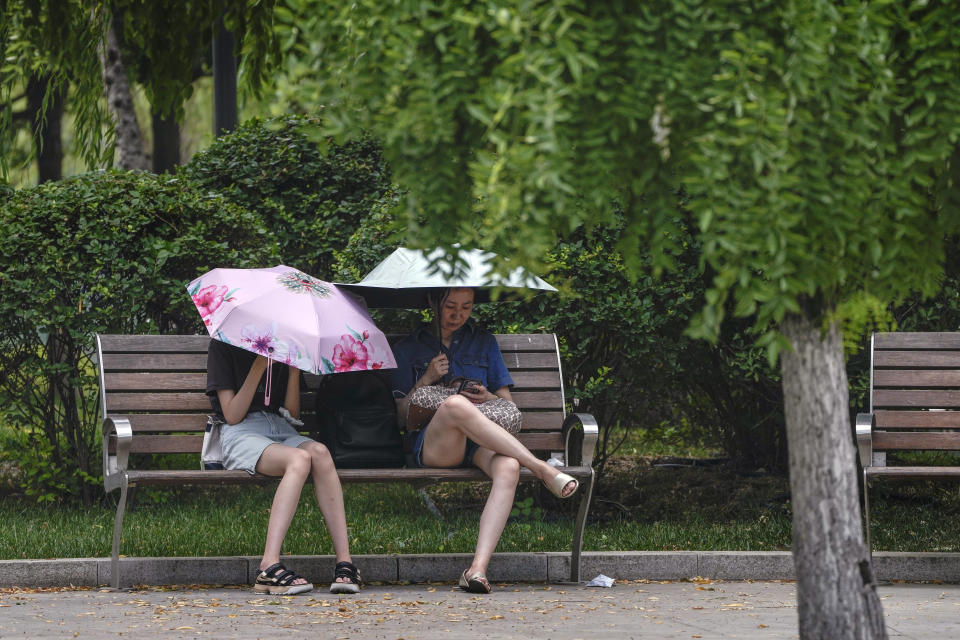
227 368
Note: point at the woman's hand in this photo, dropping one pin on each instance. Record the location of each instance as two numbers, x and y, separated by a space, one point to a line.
437 368
477 394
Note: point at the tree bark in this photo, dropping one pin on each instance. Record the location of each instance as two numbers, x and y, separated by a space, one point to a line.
166 142
129 141
46 127
836 591
225 114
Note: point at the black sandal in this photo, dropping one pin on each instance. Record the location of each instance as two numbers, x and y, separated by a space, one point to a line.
348 571
277 580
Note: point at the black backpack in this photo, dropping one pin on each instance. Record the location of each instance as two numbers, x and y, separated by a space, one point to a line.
357 417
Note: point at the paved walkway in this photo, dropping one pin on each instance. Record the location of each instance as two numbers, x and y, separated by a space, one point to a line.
629 609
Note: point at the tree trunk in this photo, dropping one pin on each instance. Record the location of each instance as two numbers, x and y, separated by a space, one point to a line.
225 116
166 142
46 127
836 591
129 142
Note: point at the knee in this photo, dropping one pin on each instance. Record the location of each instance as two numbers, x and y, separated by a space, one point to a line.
299 462
506 470
319 455
457 408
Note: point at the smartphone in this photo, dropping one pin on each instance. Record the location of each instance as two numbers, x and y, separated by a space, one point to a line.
467 384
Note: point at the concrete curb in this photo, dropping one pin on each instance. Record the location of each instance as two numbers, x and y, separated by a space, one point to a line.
506 567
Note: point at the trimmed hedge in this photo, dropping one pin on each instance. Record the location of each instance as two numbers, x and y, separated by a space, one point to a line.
311 193
101 252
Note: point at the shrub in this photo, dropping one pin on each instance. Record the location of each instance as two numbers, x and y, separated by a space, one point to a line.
102 252
311 194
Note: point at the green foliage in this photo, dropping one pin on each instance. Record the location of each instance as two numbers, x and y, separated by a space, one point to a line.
312 196
104 252
164 47
815 140
167 48
627 358
57 39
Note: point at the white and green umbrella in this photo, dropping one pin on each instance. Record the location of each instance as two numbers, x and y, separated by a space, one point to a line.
406 277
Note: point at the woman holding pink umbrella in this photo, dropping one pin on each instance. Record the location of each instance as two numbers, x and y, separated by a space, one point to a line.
267 324
258 439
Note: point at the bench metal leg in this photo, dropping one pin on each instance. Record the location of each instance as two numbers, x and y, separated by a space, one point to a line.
866 514
586 491
117 531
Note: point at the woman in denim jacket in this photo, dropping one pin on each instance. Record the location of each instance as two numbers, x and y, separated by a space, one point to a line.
458 434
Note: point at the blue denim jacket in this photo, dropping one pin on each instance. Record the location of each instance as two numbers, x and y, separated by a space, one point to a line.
473 353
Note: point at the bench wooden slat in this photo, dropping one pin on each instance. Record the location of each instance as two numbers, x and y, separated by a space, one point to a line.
184 401
197 362
917 419
917 340
535 379
180 422
197 477
530 361
526 342
913 472
916 440
155 362
916 398
198 343
154 402
537 399
186 381
916 378
935 359
541 420
145 443
139 381
148 343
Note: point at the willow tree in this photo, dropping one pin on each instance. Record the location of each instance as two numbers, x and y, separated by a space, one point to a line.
99 48
813 140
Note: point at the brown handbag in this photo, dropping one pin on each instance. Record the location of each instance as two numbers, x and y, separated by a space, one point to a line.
424 402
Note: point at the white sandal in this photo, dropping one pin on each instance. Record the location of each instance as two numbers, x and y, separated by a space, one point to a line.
560 481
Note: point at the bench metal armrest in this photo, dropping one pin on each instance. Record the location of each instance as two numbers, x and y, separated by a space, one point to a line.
115 464
865 424
580 434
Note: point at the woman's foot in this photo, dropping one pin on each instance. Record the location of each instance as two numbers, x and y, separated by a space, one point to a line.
279 581
563 485
474 582
346 579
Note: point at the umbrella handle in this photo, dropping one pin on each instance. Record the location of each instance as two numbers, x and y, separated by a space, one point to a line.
266 388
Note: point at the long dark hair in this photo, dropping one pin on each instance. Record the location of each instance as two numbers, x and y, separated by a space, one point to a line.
436 299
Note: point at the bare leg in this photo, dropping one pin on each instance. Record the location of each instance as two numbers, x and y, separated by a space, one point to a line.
458 419
326 485
294 466
505 473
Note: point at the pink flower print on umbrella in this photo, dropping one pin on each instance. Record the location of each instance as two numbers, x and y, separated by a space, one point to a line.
290 317
349 355
352 354
299 356
263 341
208 300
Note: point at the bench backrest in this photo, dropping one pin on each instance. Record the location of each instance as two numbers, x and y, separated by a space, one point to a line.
158 383
915 391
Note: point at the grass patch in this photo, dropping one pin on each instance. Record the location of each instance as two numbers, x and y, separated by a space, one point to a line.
663 502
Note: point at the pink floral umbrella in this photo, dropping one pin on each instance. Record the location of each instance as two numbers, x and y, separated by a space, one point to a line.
291 317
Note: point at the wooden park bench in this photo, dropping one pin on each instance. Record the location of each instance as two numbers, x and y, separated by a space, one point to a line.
914 406
153 403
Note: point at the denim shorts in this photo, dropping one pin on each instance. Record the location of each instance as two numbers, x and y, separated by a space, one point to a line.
243 443
470 449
